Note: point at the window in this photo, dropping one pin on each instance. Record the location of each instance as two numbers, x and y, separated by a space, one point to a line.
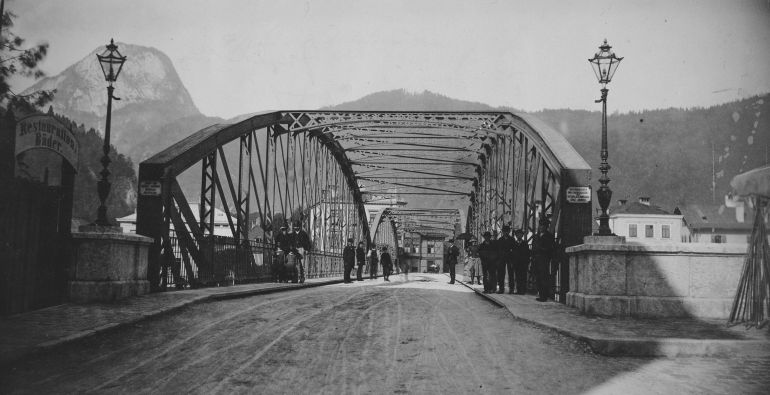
718 239
665 231
649 231
431 248
632 230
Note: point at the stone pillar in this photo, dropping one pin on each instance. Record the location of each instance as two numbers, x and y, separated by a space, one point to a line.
107 265
616 278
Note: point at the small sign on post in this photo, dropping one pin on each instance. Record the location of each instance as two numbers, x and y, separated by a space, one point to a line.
579 195
149 188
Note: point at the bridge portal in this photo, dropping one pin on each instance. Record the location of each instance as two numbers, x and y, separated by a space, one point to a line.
320 170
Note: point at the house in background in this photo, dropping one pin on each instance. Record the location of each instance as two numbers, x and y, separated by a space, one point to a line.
731 222
641 221
221 225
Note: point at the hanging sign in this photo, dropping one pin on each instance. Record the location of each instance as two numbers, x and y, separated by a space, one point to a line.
45 131
149 188
579 195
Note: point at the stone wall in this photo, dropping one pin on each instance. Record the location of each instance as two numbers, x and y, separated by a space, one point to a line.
108 266
654 280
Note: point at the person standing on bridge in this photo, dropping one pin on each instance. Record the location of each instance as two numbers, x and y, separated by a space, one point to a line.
520 262
360 261
387 263
543 248
504 260
451 259
300 239
283 246
349 260
373 261
488 255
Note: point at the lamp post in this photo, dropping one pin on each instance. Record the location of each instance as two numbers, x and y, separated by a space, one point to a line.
111 62
604 63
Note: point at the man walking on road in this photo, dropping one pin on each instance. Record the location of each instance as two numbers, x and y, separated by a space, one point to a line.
373 261
487 253
349 259
504 256
387 263
543 248
451 259
520 263
360 260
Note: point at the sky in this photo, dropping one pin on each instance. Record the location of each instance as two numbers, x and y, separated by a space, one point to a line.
244 56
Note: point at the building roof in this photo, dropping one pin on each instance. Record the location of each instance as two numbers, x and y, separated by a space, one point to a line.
708 216
637 209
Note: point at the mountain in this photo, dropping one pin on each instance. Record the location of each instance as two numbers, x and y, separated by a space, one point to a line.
152 99
664 154
402 100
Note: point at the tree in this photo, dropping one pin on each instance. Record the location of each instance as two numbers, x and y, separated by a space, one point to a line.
15 59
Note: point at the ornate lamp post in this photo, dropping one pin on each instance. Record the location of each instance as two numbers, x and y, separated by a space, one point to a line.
112 62
604 63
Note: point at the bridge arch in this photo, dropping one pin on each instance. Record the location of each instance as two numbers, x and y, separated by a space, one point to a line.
497 167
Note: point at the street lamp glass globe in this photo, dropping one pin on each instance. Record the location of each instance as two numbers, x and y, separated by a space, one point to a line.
605 63
111 61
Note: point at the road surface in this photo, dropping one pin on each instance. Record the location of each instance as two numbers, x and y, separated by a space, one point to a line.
417 336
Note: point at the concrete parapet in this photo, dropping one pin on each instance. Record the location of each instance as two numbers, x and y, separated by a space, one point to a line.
654 280
107 266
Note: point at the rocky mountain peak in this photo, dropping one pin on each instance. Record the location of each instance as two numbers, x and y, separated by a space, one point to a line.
151 93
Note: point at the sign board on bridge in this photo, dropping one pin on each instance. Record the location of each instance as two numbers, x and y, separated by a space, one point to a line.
579 195
149 188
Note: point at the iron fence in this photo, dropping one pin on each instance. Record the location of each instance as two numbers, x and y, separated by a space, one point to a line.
230 262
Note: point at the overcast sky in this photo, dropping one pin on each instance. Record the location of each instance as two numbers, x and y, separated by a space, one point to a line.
241 56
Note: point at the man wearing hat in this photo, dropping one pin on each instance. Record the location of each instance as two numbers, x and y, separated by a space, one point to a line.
349 260
543 248
505 260
488 255
283 246
300 239
451 259
520 262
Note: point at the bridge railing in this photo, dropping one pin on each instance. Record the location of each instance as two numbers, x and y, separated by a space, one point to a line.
239 263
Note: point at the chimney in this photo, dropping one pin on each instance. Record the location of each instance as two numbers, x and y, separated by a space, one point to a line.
644 200
622 202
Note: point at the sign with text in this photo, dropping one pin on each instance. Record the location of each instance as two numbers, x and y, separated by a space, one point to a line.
149 188
579 195
46 132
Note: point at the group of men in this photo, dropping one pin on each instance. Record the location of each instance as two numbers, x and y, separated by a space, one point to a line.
512 254
290 243
356 256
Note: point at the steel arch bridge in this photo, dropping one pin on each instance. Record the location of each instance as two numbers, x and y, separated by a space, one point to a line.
324 169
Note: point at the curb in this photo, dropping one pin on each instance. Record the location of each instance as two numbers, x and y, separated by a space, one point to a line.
647 347
41 347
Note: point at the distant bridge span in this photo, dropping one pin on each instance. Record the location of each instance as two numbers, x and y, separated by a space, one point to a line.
322 168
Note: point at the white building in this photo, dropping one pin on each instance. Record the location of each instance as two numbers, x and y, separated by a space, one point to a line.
643 222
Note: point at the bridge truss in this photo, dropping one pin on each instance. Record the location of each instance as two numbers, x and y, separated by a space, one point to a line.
321 169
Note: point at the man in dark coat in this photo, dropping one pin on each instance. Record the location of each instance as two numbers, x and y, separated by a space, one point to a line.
543 248
387 263
360 261
488 255
300 239
520 263
349 259
283 247
373 261
504 255
451 259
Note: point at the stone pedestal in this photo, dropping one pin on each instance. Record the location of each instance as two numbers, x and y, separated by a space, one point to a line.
107 265
654 280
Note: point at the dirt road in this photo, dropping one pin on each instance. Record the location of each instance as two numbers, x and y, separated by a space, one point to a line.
416 336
